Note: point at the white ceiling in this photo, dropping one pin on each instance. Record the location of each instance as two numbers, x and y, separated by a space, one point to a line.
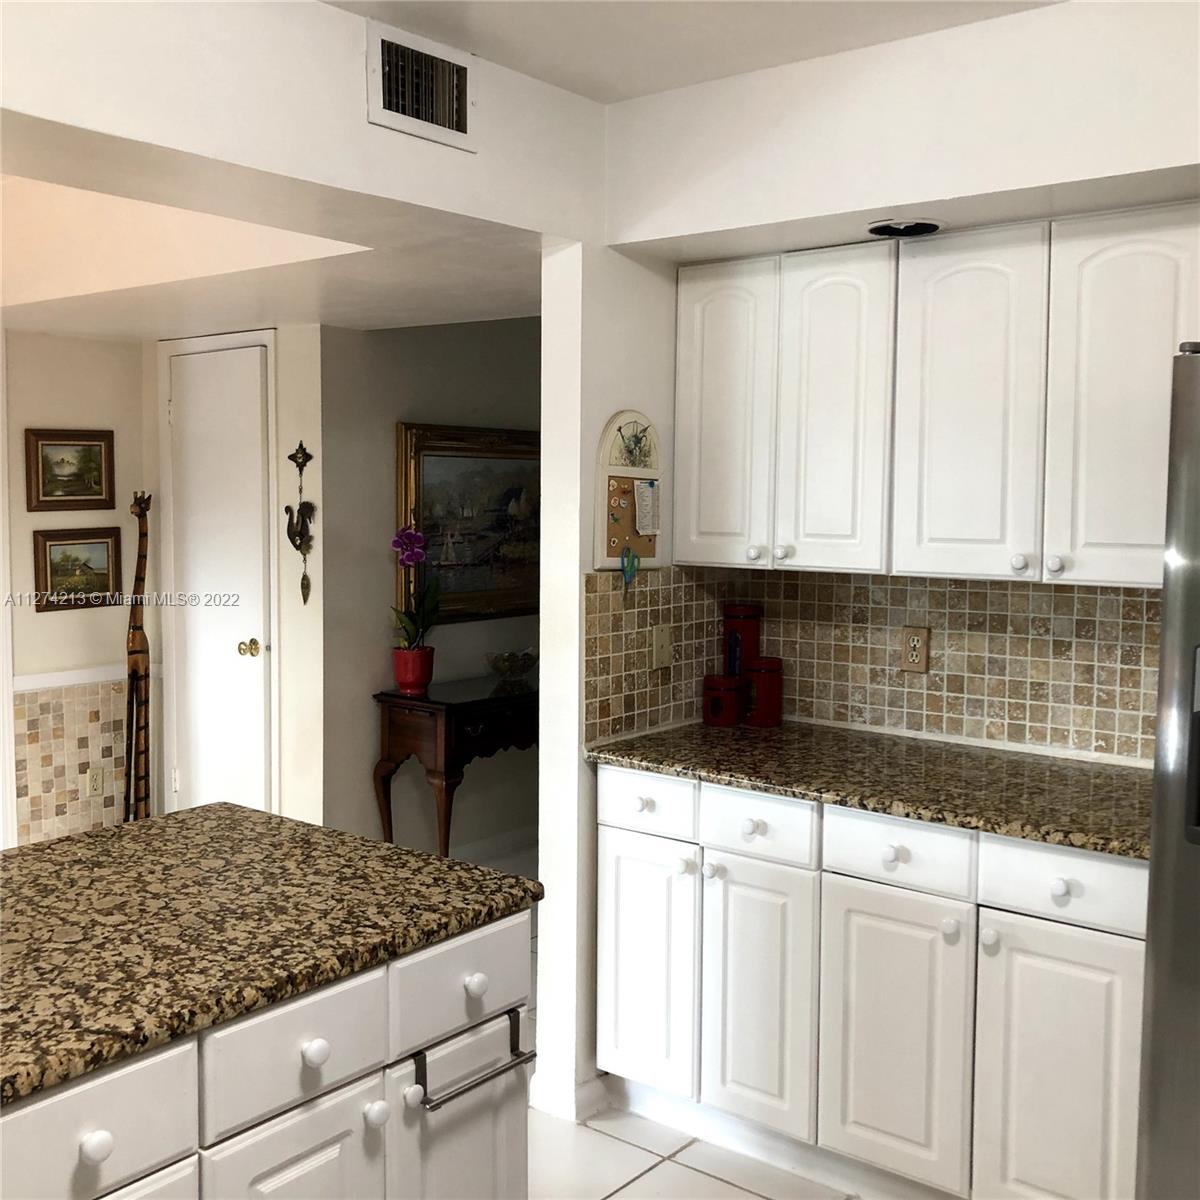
614 50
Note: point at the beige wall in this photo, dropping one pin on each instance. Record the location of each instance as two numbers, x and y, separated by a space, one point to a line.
472 374
72 383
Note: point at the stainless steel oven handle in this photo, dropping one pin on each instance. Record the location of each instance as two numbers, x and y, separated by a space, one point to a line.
519 1059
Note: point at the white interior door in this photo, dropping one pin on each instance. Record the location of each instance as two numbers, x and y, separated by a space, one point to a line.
220 562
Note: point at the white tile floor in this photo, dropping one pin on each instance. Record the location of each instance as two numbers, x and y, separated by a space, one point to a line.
617 1154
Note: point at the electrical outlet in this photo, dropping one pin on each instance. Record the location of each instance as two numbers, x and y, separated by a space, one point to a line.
914 648
95 781
660 647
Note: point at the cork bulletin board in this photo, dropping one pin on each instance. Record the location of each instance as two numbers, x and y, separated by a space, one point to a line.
621 527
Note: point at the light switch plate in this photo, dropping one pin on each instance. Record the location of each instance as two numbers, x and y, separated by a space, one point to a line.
95 785
660 647
914 648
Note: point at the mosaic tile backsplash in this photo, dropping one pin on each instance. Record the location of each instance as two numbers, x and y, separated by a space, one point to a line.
60 733
1020 663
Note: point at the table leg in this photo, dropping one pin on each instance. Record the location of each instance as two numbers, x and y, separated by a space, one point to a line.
384 770
444 788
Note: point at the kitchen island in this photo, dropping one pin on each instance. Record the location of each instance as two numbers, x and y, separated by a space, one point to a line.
268 960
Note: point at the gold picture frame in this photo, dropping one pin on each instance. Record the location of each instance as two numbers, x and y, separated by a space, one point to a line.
476 495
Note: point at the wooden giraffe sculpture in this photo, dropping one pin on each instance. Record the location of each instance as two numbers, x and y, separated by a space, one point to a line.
137 704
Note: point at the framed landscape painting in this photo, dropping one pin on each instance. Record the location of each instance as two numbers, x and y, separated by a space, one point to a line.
476 495
68 470
76 568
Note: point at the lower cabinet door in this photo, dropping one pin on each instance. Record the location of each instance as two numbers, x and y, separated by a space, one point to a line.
325 1148
759 1012
1057 1055
474 1148
647 968
897 1000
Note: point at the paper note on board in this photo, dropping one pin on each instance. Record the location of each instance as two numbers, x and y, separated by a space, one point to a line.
645 499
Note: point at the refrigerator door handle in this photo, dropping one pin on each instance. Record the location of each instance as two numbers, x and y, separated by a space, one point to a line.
1191 786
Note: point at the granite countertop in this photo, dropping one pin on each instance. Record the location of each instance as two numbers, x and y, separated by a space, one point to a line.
1067 802
122 939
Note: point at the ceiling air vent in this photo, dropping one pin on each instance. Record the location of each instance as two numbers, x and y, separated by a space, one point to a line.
416 86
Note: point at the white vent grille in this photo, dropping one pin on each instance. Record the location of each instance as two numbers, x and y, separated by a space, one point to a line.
417 87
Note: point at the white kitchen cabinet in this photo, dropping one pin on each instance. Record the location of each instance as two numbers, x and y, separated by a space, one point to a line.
178 1182
833 450
325 1148
897 1006
1124 293
758 1046
1058 1036
648 959
970 389
726 382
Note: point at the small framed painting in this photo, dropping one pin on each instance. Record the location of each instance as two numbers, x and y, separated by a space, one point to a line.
476 495
68 470
76 568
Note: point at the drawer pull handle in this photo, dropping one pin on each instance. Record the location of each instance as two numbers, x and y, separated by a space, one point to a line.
949 926
645 804
316 1053
421 1070
988 937
378 1113
712 871
96 1147
414 1096
750 827
1060 887
891 854
476 984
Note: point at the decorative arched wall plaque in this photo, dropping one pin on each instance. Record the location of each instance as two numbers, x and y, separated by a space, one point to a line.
629 499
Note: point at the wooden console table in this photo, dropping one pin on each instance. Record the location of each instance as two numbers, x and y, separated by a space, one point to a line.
444 730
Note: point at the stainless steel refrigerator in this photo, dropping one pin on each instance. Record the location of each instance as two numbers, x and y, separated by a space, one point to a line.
1169 1132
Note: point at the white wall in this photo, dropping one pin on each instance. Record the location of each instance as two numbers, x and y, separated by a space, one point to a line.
472 374
1069 92
72 383
280 87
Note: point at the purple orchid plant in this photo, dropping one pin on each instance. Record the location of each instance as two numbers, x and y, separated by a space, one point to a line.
413 623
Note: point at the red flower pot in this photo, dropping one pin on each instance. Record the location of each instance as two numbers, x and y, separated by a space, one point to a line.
413 670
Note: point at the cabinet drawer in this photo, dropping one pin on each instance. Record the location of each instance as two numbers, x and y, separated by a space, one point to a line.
270 1061
428 995
1102 891
912 854
647 803
180 1182
760 826
148 1109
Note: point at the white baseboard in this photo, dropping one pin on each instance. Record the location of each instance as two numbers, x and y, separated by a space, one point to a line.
845 1175
571 1103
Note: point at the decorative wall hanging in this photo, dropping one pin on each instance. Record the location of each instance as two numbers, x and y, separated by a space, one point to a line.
68 470
137 681
629 496
299 532
76 568
476 495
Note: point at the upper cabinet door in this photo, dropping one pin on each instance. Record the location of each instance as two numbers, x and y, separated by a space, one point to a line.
724 412
835 408
1123 295
970 384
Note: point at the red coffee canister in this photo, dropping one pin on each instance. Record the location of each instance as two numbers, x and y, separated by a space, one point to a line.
764 695
724 699
742 623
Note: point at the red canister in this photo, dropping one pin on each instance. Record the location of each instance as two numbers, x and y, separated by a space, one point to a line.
742 623
764 694
724 699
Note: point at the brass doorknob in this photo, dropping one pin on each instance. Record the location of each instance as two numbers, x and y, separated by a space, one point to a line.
251 648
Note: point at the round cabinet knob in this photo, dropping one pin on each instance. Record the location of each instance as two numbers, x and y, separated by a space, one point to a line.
316 1053
683 866
709 871
782 552
891 854
1019 562
949 926
476 984
1054 564
414 1096
750 827
377 1113
1060 887
988 937
753 553
644 804
96 1147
